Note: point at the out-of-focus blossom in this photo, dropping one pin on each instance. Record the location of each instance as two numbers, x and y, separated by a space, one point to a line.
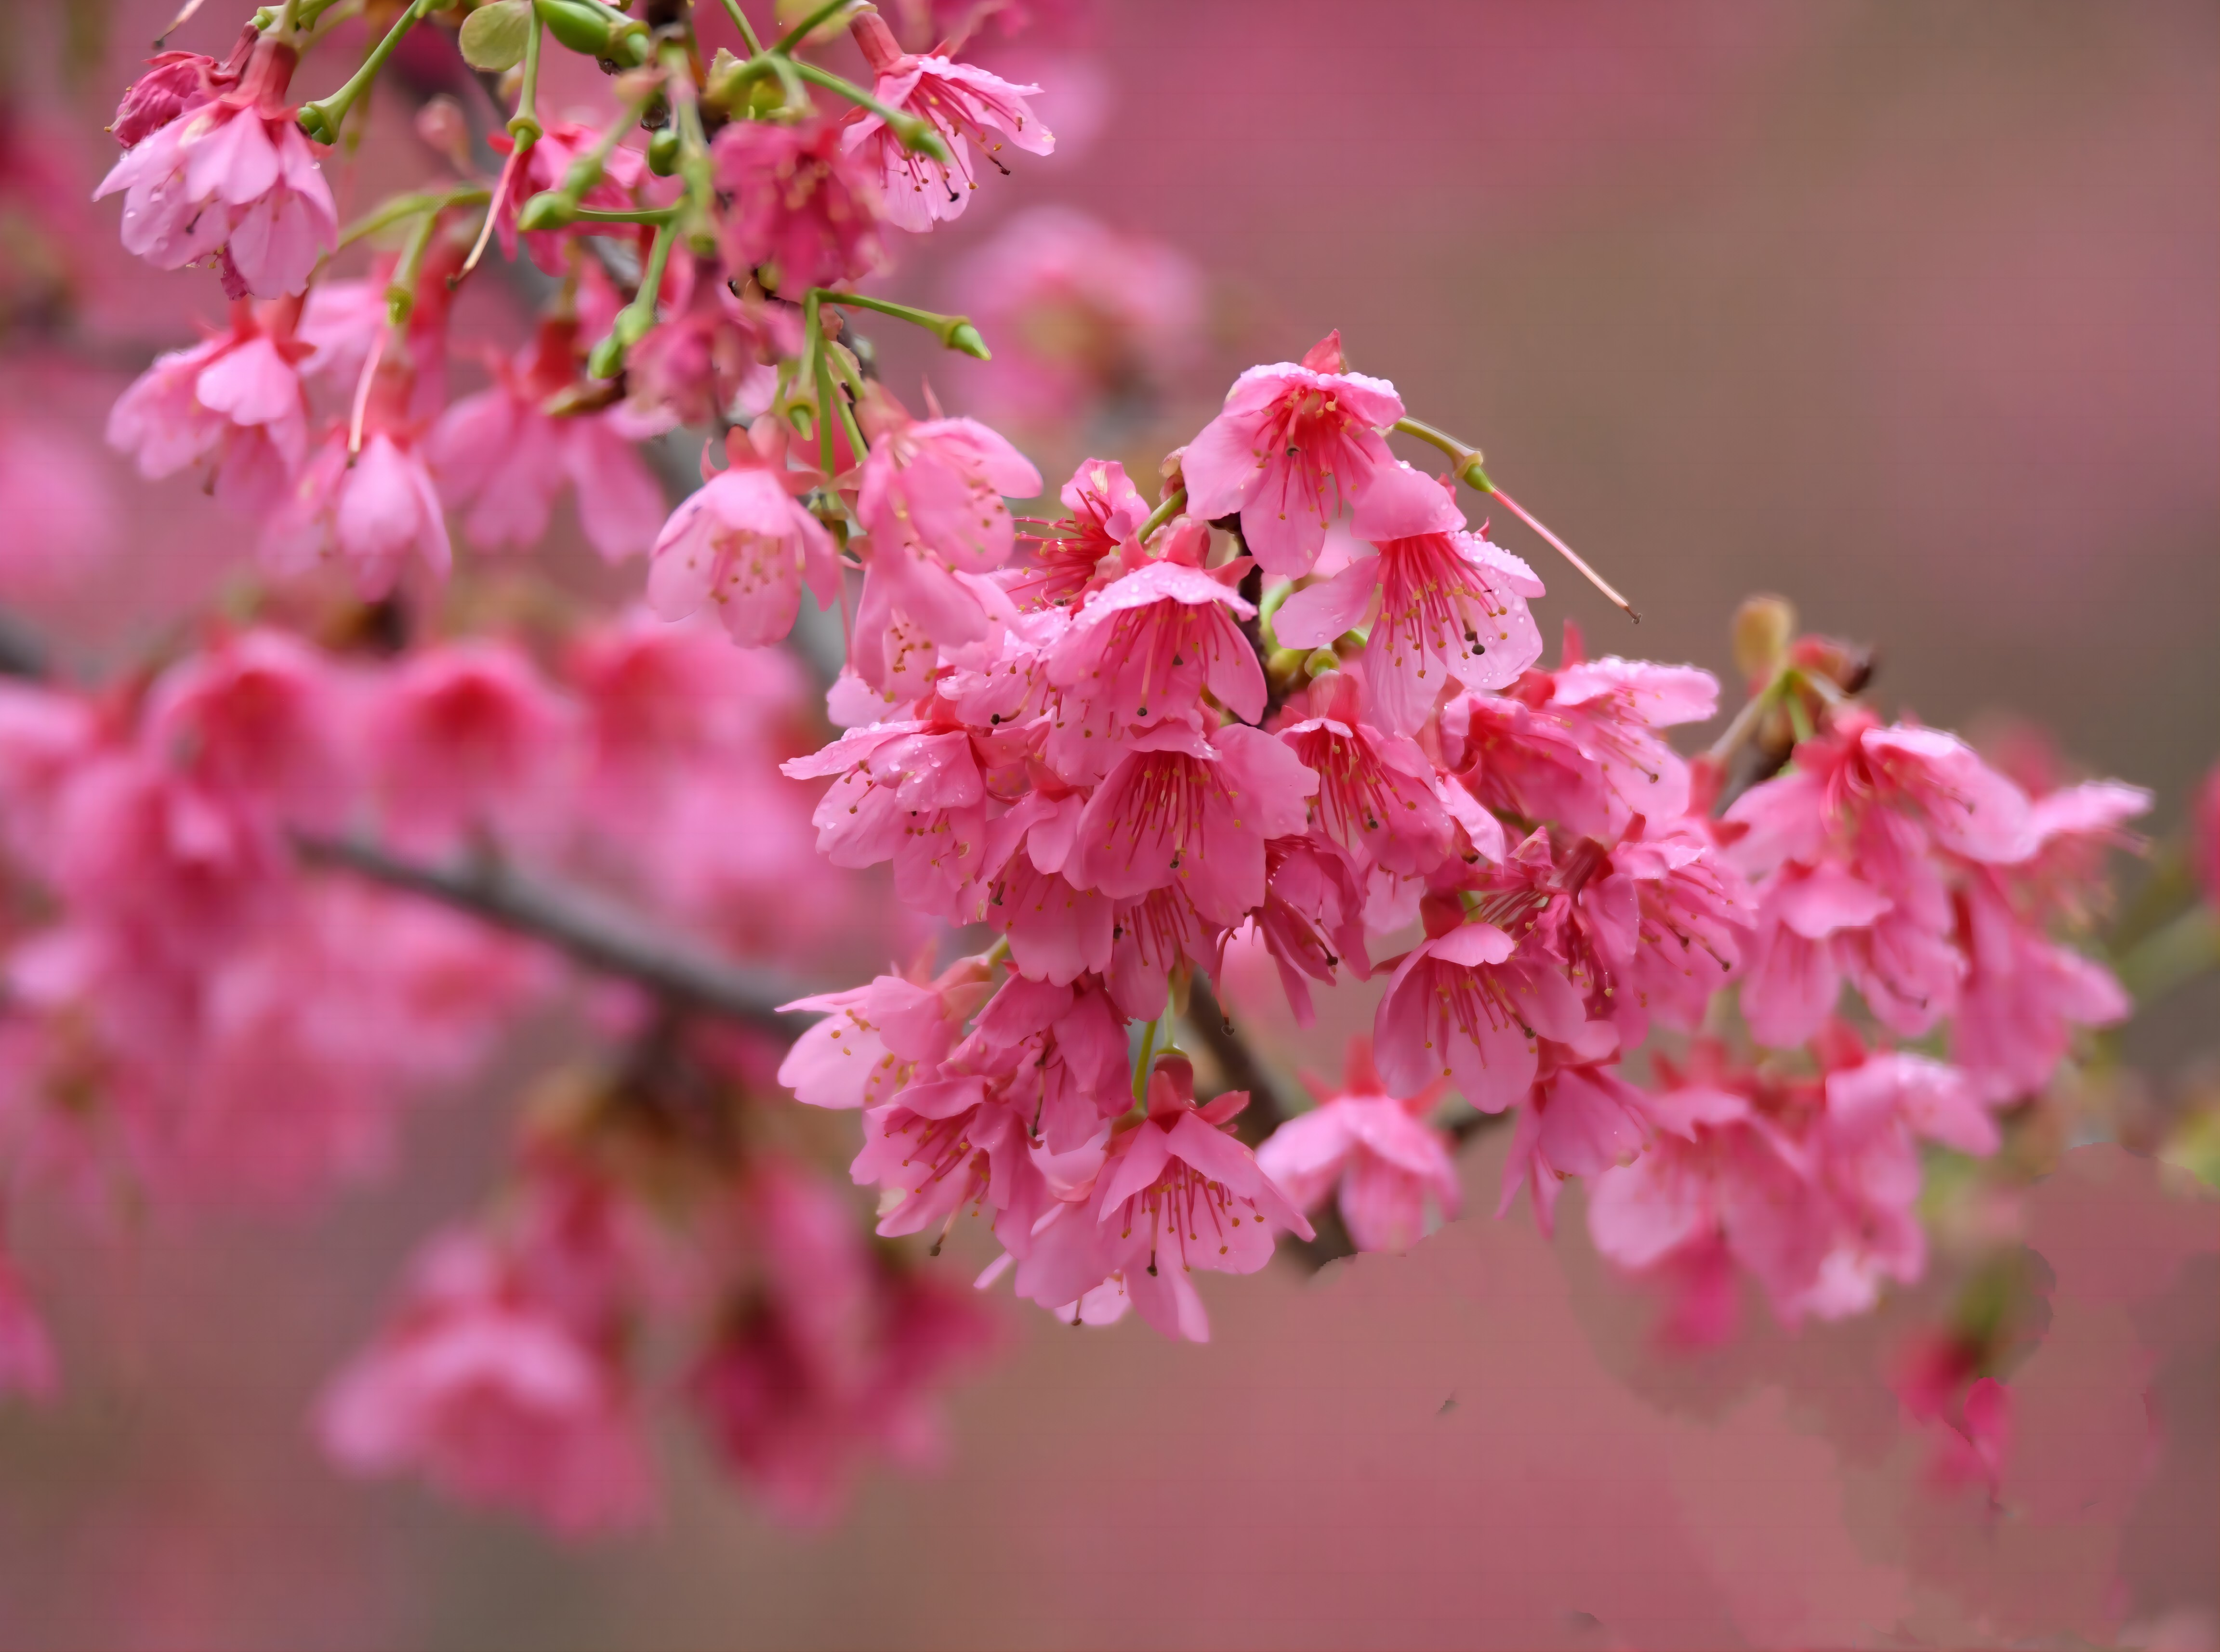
1386 1162
806 211
1079 314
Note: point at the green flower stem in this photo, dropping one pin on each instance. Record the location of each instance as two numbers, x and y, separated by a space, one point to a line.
747 29
556 208
1173 503
401 290
821 382
954 331
698 217
523 125
322 119
1466 458
802 30
622 215
409 206
635 319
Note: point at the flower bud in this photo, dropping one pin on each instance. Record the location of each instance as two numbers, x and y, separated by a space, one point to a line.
1762 628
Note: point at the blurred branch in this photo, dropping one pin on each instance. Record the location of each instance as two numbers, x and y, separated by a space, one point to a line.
598 934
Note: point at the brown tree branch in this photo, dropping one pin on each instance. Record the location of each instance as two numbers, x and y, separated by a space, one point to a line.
598 934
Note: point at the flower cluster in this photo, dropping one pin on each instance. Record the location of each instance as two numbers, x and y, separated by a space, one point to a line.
1287 701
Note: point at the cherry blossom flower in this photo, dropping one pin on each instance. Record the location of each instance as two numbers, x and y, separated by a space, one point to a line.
1386 1162
1580 1119
743 543
1181 807
875 1039
909 792
1466 1006
260 718
231 177
463 738
233 403
369 514
1174 1193
1452 606
500 454
931 502
1144 649
1104 511
1297 445
492 1391
805 211
1849 883
968 107
625 181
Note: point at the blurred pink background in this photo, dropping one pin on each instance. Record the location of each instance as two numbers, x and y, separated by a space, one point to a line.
1906 313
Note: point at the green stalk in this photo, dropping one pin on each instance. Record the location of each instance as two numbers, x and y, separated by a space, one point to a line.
802 30
634 320
1173 503
747 29
322 119
954 331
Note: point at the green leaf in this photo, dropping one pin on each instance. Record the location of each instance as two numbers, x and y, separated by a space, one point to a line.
494 36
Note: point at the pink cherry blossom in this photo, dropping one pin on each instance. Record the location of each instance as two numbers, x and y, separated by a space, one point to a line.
1379 800
463 738
494 1394
909 792
805 211
1452 606
745 544
1104 510
1467 1007
369 514
1296 445
1850 884
231 175
1175 1193
258 717
931 502
233 403
965 104
1581 1119
175 83
1145 647
501 455
1181 807
875 1039
1388 1163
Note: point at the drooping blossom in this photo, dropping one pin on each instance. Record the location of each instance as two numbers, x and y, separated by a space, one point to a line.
1181 807
625 182
502 455
1581 1118
743 545
875 1039
466 738
231 178
910 792
932 502
1452 606
1386 1162
1297 445
232 402
1175 1193
1467 1007
1144 648
495 1391
369 514
1844 851
1104 510
261 717
967 106
805 211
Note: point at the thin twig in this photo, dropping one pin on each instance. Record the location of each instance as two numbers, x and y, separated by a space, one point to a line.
597 933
